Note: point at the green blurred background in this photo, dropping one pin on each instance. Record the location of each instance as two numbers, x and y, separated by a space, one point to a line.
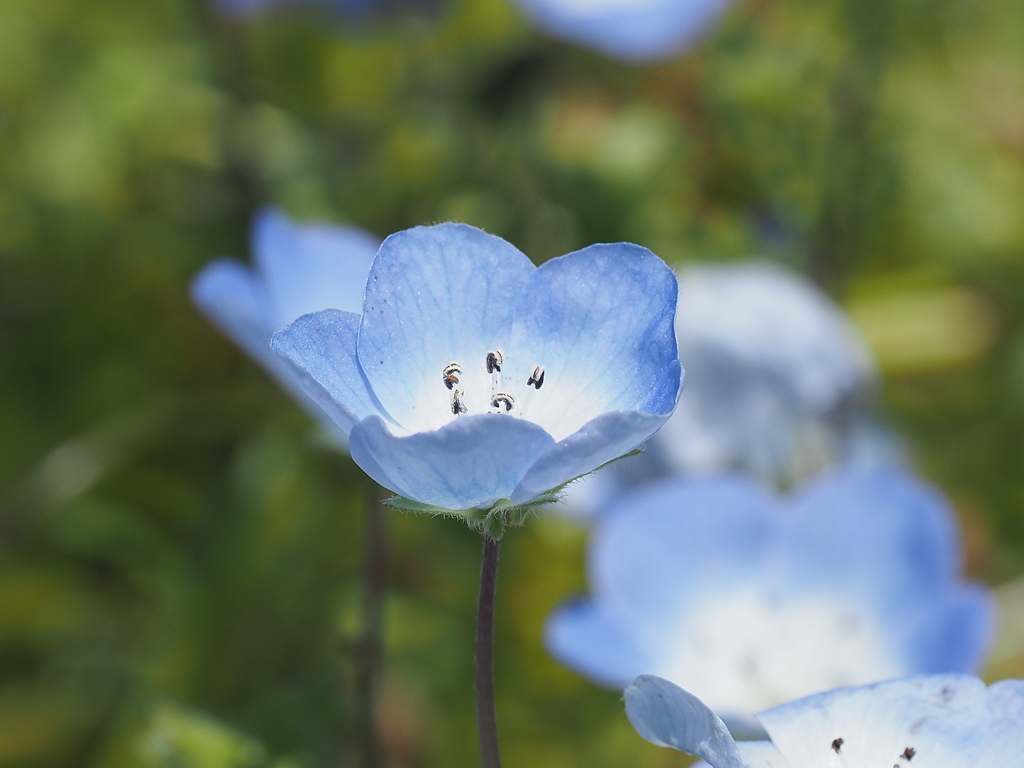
179 551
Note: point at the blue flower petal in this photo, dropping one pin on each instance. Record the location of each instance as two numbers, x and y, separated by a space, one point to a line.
322 350
309 267
582 638
1004 744
666 715
603 439
625 29
226 292
760 754
658 551
951 634
437 295
880 536
944 716
473 461
600 322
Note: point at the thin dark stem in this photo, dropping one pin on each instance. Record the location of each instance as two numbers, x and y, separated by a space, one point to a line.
486 719
368 649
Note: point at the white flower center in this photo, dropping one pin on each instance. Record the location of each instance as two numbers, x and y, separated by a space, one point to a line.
500 398
747 651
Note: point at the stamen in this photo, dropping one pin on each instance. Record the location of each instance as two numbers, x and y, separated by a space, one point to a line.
499 399
908 753
536 379
450 375
837 744
494 360
458 407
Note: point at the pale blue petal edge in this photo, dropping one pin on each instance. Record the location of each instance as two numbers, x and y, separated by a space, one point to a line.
321 347
1004 742
936 714
308 267
471 462
666 715
660 549
228 295
435 295
882 535
644 35
951 634
601 321
580 637
604 438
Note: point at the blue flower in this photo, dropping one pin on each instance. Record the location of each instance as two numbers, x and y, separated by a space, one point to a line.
939 721
749 600
635 30
780 385
297 269
473 377
777 370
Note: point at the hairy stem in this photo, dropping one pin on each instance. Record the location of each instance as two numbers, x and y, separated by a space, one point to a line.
486 720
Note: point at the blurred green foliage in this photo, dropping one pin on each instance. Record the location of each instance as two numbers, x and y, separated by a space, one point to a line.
180 555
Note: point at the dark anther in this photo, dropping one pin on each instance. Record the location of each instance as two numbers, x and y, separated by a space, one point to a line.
457 405
450 375
836 744
537 377
494 361
908 753
503 398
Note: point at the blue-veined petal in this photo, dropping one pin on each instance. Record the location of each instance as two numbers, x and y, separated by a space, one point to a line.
600 322
581 635
942 718
322 349
437 295
606 437
666 715
473 461
309 267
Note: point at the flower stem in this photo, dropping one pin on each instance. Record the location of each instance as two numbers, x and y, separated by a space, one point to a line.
368 647
486 720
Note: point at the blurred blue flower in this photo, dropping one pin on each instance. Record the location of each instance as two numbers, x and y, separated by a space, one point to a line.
473 377
749 600
635 30
941 721
779 385
777 372
298 268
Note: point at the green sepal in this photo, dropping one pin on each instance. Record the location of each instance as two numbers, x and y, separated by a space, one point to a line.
504 514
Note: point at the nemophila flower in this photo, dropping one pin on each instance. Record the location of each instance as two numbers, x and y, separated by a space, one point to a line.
635 30
779 375
750 600
935 721
474 380
780 385
297 269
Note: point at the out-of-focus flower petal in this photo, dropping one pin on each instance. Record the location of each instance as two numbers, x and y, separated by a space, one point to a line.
635 30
